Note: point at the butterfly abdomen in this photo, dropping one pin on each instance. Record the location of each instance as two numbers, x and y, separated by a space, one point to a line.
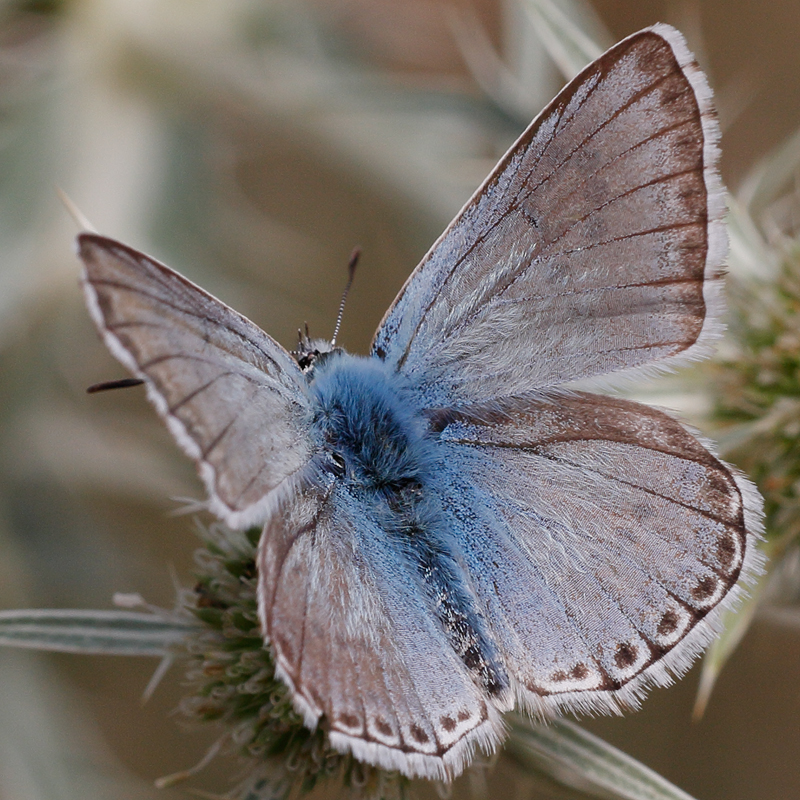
372 431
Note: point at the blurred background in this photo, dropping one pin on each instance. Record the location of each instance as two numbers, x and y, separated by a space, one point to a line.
251 144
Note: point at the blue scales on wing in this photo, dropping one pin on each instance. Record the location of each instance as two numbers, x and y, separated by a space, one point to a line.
373 622
602 538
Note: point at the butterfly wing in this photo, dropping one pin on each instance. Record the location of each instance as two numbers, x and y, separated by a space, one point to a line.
591 249
602 537
356 640
213 376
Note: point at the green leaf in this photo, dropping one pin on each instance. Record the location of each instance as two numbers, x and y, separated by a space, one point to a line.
569 755
125 633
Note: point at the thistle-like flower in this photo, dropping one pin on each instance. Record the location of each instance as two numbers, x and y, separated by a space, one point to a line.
755 389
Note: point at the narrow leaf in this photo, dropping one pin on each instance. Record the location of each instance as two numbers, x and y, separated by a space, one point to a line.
128 633
579 760
736 622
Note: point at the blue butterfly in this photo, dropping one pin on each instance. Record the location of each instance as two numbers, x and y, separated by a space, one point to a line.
453 525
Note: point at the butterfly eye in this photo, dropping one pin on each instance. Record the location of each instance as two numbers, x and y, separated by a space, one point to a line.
311 354
336 464
306 360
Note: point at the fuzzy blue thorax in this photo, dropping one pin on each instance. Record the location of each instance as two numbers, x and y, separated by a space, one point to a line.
370 423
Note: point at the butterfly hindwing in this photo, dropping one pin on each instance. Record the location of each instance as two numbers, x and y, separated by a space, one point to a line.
213 375
351 626
592 248
355 637
602 538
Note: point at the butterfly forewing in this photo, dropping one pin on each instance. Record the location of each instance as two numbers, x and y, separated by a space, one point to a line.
600 534
591 249
214 376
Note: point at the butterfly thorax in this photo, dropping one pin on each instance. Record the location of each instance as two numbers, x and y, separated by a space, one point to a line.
369 425
377 446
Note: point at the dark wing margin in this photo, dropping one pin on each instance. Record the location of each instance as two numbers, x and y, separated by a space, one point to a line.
233 397
603 538
593 248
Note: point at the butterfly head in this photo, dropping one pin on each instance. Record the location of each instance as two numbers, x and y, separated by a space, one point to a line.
310 351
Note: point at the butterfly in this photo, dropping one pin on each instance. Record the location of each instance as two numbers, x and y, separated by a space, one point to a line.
454 524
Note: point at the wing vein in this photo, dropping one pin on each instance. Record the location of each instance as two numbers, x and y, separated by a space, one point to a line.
199 390
215 321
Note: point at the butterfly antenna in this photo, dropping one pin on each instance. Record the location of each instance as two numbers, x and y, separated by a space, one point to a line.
351 268
124 383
